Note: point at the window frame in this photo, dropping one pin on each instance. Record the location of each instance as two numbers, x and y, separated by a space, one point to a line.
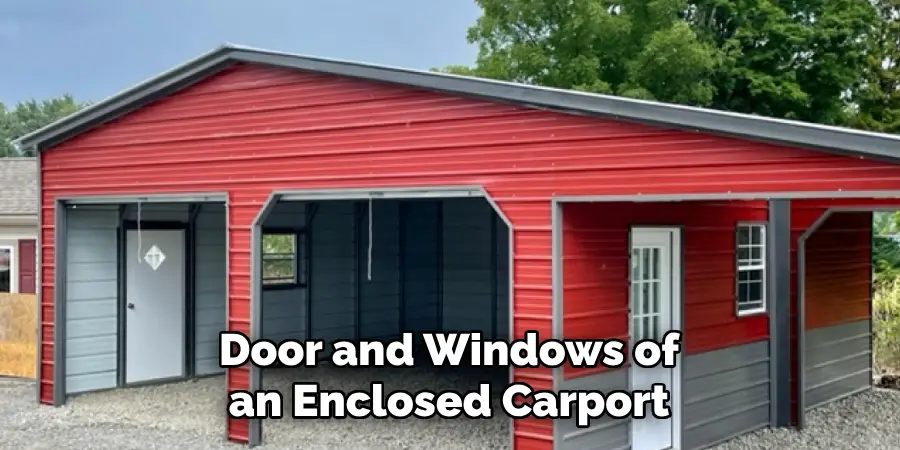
300 258
763 268
13 268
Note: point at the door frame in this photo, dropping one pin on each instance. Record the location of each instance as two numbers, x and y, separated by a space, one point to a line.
188 369
677 285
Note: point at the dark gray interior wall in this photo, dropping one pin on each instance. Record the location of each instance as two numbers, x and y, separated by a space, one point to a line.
837 362
284 310
91 328
92 291
472 270
443 271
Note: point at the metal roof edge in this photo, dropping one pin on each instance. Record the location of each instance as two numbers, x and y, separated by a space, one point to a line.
822 137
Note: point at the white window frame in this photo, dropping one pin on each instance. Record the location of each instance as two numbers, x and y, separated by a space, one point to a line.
13 268
742 310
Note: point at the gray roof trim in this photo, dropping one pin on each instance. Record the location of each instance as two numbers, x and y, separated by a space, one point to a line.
827 138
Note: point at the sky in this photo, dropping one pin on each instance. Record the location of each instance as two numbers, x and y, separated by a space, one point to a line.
95 48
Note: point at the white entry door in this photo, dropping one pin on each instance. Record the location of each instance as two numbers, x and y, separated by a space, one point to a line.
655 309
154 313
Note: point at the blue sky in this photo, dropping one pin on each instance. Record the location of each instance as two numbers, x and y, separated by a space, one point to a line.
95 48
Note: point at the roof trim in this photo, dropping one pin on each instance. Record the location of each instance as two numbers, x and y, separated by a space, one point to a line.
821 137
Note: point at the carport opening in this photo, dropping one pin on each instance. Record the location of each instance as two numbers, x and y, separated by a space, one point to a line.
837 355
144 303
371 270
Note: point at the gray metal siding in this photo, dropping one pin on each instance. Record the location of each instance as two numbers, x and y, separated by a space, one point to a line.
379 297
502 260
604 433
339 267
837 362
158 212
725 393
284 310
468 278
421 267
91 295
333 277
209 287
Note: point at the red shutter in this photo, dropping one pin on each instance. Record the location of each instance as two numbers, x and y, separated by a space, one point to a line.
27 266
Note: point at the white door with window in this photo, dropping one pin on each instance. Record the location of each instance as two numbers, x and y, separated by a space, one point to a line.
154 314
655 309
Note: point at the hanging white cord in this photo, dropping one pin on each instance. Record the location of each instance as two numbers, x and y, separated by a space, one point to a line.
139 243
369 253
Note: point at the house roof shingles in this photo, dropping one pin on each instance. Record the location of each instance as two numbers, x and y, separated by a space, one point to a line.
18 186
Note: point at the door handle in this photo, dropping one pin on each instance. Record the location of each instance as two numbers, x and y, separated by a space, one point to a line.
131 306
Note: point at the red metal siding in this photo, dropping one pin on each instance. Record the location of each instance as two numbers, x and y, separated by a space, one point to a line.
838 271
595 271
249 130
846 237
27 266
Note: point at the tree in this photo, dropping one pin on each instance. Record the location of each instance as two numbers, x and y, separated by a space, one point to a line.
593 46
793 59
877 100
29 116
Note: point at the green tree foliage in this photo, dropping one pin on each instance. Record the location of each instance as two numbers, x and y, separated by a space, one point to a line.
877 100
31 115
794 59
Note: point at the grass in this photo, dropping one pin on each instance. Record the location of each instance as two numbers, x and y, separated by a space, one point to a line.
18 346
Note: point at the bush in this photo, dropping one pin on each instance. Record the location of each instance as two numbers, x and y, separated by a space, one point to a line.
886 326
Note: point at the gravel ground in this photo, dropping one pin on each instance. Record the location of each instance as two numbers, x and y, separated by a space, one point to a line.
866 421
190 415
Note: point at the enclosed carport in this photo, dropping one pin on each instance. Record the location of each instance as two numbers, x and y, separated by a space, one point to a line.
143 289
370 265
288 143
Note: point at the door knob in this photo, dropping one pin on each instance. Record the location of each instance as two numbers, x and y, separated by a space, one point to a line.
131 306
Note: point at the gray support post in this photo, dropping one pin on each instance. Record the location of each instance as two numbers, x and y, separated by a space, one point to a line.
359 246
60 243
403 216
778 276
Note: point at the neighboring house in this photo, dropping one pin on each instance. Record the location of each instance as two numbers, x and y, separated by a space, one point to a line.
18 225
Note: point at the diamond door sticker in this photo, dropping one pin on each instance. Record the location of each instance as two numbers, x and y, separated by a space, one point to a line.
154 257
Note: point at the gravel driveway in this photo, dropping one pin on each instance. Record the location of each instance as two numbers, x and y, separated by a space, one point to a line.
190 415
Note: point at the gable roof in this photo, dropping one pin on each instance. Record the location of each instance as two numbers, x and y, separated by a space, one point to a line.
18 186
827 138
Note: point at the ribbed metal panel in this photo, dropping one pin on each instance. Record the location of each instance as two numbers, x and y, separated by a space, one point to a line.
250 130
838 346
725 394
595 270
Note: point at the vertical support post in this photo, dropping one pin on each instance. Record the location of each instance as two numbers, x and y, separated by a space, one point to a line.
311 209
778 276
60 243
190 310
254 437
121 274
871 293
402 214
359 210
39 279
495 267
440 267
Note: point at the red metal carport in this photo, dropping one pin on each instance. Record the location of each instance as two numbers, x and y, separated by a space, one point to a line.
247 123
